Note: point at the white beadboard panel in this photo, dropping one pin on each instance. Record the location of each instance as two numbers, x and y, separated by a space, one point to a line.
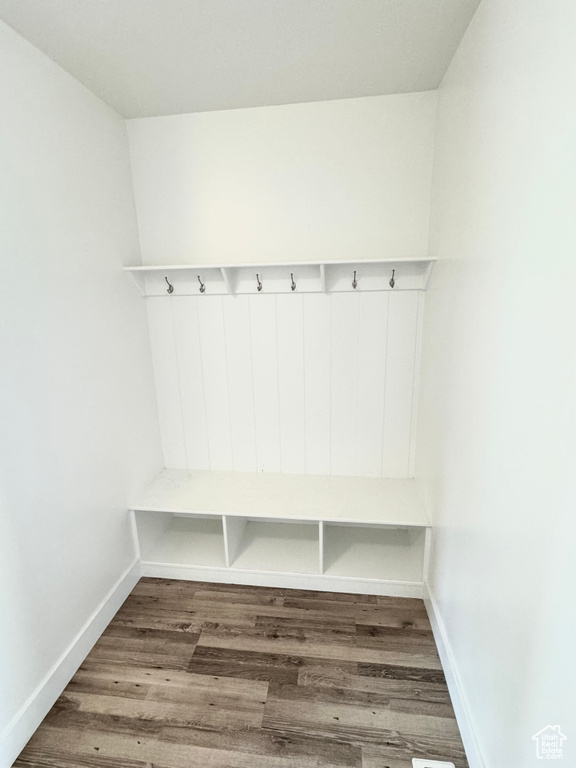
265 374
416 391
290 334
213 346
189 355
305 384
372 342
344 382
166 380
317 384
240 382
400 365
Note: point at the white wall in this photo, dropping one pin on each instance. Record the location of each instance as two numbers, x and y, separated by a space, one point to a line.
329 180
497 412
79 428
295 383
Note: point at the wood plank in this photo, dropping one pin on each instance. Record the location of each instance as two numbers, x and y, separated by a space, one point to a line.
355 723
399 750
251 597
326 695
371 615
154 751
159 587
169 712
398 638
84 682
222 590
321 675
300 749
401 672
310 644
308 624
55 758
140 658
272 667
174 678
244 665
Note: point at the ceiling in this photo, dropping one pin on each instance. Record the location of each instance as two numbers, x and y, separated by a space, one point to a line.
164 57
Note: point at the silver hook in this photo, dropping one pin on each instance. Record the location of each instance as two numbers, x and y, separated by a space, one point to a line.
170 288
202 286
354 282
259 283
392 281
292 283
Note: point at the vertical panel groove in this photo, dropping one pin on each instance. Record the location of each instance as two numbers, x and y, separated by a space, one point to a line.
203 382
385 385
278 377
253 388
212 332
306 380
330 385
227 381
357 353
413 389
178 378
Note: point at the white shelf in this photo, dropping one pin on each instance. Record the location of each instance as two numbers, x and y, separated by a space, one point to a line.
281 547
309 277
374 553
356 500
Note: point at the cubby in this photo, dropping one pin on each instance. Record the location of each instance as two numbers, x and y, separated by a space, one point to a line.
346 534
384 553
272 545
187 540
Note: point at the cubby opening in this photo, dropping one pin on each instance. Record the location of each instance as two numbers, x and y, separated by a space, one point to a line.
366 552
272 545
191 540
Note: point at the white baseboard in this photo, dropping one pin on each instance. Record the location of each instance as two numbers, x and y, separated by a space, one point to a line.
284 580
457 694
28 718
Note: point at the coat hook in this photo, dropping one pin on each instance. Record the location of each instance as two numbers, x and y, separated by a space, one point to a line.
202 286
292 283
392 281
170 288
259 283
354 282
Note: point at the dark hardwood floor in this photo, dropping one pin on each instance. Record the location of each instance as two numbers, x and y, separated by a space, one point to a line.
221 676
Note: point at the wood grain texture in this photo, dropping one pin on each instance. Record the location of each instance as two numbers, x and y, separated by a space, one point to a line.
228 676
